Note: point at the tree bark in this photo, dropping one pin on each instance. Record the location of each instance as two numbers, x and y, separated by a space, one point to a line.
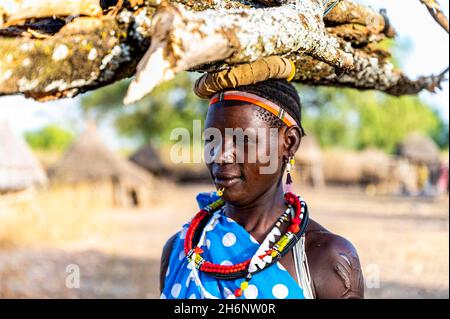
46 57
12 11
435 10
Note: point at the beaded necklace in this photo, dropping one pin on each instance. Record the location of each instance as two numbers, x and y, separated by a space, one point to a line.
263 257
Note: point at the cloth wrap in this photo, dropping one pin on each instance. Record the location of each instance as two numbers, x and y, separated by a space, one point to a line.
227 242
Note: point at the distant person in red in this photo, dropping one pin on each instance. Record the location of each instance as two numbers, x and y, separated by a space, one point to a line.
442 184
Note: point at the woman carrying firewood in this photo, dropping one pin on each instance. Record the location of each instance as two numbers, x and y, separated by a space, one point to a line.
253 237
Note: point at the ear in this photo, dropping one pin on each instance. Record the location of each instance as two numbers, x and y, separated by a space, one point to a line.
292 139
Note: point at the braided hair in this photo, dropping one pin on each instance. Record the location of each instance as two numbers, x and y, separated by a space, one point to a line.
280 92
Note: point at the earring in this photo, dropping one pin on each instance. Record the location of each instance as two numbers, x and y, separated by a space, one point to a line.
289 166
220 191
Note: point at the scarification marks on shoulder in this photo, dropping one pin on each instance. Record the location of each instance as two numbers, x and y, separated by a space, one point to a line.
346 259
344 275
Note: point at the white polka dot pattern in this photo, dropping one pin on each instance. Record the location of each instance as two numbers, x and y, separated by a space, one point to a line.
280 291
253 240
229 239
280 266
176 290
181 255
220 245
251 292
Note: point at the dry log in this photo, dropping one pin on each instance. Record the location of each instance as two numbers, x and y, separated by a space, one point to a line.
12 11
436 12
48 58
183 39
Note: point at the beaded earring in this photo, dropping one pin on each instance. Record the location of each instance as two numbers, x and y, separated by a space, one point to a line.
220 191
289 166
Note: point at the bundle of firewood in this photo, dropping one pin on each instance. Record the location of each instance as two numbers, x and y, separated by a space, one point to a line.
53 49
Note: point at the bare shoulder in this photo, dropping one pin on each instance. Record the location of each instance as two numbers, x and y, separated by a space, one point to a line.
334 264
165 257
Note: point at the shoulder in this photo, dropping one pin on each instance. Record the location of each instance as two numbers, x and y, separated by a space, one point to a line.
334 264
165 257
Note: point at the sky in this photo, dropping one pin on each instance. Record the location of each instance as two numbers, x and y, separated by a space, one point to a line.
428 53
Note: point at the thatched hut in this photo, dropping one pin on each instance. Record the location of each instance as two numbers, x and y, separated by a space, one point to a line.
148 158
88 160
376 166
423 153
419 149
19 169
184 172
342 167
309 159
370 166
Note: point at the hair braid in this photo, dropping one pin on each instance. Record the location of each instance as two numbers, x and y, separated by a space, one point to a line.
280 92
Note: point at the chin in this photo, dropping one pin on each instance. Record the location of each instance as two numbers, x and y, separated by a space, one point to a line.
233 199
234 195
237 197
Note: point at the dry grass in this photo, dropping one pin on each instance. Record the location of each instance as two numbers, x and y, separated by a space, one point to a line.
118 250
53 215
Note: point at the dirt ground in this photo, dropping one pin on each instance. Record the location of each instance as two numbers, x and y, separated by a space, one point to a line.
402 242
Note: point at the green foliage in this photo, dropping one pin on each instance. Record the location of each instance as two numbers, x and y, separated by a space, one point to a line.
49 138
336 116
171 105
386 123
327 116
355 119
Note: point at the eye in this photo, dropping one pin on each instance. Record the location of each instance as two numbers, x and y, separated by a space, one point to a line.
245 140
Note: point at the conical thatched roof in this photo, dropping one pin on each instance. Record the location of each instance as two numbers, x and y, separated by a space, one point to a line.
419 148
88 159
309 151
148 158
19 169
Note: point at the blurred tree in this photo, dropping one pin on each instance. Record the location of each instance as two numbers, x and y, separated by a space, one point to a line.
359 119
336 116
385 121
441 135
171 105
49 138
355 119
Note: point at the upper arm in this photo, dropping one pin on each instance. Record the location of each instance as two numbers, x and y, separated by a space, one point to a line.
336 269
165 257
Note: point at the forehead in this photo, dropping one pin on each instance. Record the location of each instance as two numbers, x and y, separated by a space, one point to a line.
234 114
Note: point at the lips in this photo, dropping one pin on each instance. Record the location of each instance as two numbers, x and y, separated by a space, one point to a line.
224 180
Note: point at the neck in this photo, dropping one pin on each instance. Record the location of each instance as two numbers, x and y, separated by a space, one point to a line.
259 216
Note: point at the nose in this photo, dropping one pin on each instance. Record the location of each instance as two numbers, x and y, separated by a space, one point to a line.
226 158
225 153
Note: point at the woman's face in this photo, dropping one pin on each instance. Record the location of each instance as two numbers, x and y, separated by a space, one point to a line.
243 153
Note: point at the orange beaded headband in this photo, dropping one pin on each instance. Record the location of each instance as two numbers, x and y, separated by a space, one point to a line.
256 100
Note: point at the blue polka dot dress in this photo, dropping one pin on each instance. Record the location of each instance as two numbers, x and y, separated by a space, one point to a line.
227 243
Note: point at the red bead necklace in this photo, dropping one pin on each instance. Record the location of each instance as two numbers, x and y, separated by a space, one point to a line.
295 230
